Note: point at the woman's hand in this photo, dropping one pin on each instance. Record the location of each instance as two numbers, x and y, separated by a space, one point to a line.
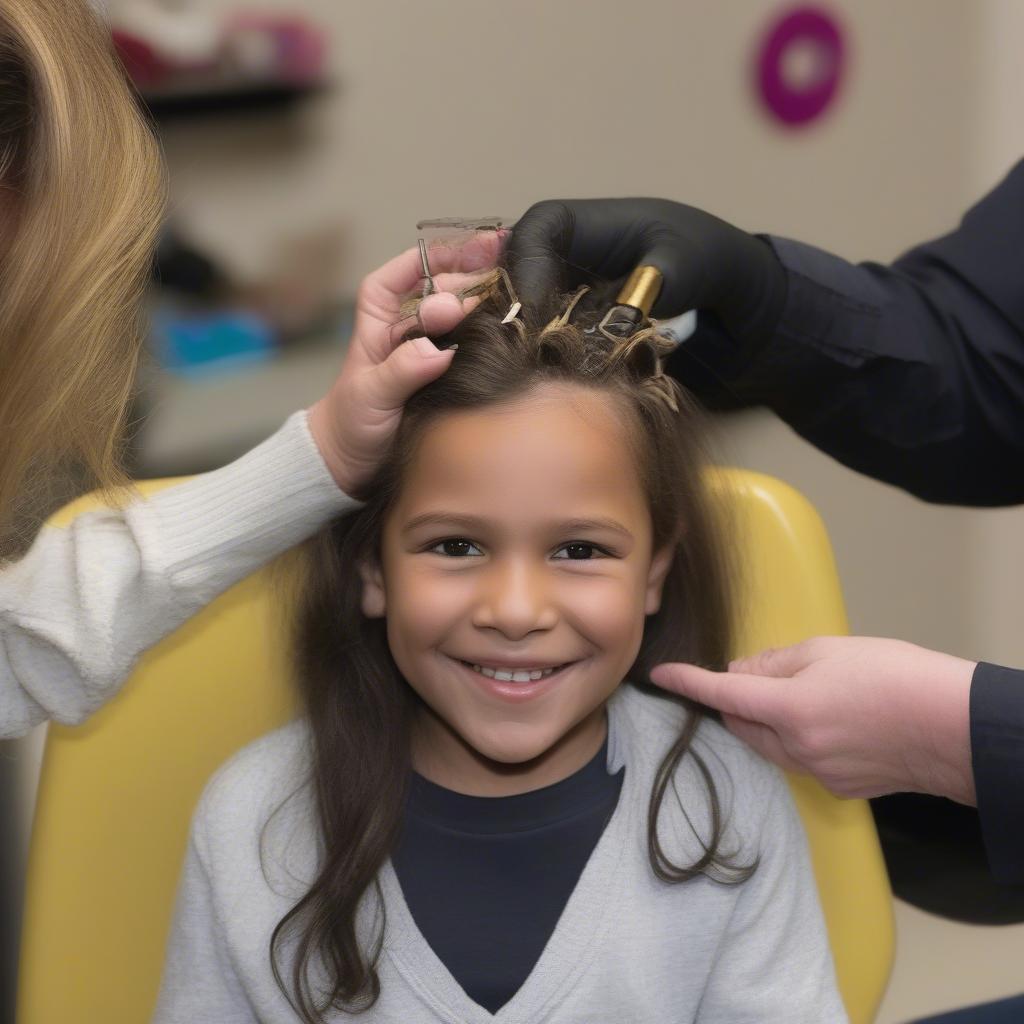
864 716
354 422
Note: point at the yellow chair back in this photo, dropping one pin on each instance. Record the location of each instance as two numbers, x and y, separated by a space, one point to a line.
116 794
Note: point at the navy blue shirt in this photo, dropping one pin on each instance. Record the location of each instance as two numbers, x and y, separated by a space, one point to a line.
486 878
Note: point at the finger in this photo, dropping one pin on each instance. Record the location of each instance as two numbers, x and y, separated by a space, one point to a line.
412 365
434 316
382 291
440 313
763 739
459 285
751 697
482 251
457 282
537 250
778 661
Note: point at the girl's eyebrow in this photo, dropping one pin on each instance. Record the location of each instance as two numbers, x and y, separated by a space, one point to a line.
476 523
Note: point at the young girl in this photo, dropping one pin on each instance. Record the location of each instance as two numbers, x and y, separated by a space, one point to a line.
487 812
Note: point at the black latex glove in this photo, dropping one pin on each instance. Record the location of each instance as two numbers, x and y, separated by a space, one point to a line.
707 264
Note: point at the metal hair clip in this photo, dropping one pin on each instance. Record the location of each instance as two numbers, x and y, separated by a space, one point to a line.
428 281
513 312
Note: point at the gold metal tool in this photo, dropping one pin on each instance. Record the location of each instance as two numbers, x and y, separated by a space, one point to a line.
634 302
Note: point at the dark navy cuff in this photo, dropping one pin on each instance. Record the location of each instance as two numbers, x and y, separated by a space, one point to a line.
997 755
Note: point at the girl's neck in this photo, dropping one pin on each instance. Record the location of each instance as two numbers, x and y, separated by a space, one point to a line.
442 756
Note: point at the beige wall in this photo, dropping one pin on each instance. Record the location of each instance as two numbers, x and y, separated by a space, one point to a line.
482 108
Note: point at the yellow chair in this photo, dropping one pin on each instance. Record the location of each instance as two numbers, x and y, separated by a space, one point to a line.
117 793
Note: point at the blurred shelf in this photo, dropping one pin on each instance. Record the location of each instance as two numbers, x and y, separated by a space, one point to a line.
241 99
196 424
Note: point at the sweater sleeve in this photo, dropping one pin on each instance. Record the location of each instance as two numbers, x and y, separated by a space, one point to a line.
912 373
774 965
85 602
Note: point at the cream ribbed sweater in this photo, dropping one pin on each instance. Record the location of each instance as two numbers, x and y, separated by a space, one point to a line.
81 606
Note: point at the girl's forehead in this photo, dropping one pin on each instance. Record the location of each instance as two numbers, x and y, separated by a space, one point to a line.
559 448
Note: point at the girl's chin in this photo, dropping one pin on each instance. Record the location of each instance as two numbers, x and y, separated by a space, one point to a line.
519 763
506 756
512 753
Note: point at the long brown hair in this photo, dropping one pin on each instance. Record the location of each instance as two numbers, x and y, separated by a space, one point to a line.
361 710
82 193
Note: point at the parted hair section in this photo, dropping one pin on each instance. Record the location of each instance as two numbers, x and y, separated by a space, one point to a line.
360 709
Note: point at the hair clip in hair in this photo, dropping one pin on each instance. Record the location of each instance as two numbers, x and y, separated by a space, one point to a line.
513 312
565 316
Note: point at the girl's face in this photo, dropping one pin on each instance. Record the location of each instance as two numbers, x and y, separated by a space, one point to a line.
520 548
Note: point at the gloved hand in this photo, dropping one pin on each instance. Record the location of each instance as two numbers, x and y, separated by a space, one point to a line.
707 264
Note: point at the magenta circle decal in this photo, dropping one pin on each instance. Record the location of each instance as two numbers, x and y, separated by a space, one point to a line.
800 65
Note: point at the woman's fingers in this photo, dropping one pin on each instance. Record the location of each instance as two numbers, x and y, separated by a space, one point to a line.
380 325
747 696
353 424
435 316
440 313
785 661
413 364
382 291
764 740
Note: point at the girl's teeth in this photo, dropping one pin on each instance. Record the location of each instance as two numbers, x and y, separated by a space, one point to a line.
513 677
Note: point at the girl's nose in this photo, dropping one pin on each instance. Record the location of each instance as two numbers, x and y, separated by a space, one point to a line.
515 599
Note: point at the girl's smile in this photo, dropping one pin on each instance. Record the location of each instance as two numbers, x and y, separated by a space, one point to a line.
510 683
516 571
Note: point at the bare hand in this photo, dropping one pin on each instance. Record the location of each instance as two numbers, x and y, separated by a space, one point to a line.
865 716
354 422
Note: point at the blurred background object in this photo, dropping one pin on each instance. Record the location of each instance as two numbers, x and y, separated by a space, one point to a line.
184 56
801 64
306 138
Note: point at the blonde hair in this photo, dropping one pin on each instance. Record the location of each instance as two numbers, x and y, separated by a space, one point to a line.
82 196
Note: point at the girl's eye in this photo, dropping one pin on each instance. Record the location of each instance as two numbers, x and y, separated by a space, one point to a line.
579 551
455 547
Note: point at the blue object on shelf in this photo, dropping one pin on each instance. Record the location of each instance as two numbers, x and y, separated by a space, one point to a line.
200 345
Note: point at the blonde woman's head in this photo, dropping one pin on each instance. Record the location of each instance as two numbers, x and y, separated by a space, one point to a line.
82 194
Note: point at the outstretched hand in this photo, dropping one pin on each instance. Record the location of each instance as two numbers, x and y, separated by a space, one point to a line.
354 422
865 716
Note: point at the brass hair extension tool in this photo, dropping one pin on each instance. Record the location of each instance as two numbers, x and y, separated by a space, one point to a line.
633 304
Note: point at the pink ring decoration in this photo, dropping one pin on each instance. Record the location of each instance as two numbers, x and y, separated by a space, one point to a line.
799 103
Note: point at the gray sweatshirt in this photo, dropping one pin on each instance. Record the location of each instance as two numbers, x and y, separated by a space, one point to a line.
81 606
628 948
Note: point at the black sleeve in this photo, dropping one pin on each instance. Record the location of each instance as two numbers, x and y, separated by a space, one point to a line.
997 754
911 373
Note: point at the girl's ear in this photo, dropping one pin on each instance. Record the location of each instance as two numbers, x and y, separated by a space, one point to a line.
374 604
660 565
